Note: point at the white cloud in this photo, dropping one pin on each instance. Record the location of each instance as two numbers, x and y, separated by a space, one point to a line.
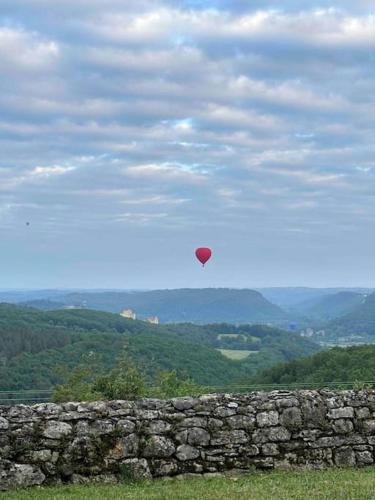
50 171
25 51
165 173
195 121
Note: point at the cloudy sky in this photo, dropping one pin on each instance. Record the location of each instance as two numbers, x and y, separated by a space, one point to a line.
132 131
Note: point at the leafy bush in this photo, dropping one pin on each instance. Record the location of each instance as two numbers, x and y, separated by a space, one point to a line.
169 385
124 381
79 384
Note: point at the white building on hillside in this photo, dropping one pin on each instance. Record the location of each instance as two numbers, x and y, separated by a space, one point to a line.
153 319
128 313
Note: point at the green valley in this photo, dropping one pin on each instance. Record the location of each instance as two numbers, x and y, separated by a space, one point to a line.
35 344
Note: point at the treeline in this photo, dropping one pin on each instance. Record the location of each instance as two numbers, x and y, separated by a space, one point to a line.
339 364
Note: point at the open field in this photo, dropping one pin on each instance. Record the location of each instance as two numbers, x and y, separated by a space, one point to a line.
236 354
224 336
332 484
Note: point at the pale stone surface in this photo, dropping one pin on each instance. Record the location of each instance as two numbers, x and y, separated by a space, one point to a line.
342 426
197 436
158 446
266 419
57 430
341 413
369 425
186 452
4 424
125 426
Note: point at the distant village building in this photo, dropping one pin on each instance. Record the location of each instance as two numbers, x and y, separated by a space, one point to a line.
128 313
309 332
153 319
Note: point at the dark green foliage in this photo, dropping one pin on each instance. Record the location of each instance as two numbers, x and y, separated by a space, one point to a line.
124 381
339 364
34 343
79 385
171 385
88 381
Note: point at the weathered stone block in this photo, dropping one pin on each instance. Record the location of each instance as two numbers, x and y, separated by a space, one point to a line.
19 476
215 423
125 426
57 430
193 422
272 434
364 457
224 411
369 426
187 452
241 422
135 469
157 427
342 426
313 412
162 468
183 403
41 456
198 437
345 457
270 449
267 418
125 447
291 418
4 424
346 412
362 413
158 446
228 437
287 402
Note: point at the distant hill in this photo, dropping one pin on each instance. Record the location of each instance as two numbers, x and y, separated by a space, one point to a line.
296 297
331 306
34 343
17 296
358 325
210 305
43 304
336 365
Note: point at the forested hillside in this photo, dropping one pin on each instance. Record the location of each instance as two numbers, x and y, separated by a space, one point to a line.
331 306
193 305
34 343
358 326
338 364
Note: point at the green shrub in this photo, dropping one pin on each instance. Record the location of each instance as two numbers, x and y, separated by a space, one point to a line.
125 381
170 385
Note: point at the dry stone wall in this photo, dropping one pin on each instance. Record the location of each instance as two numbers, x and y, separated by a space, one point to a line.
119 440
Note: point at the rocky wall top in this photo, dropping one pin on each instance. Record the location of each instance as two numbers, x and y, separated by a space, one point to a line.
108 441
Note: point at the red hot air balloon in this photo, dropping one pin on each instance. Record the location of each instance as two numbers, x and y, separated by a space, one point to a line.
203 254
